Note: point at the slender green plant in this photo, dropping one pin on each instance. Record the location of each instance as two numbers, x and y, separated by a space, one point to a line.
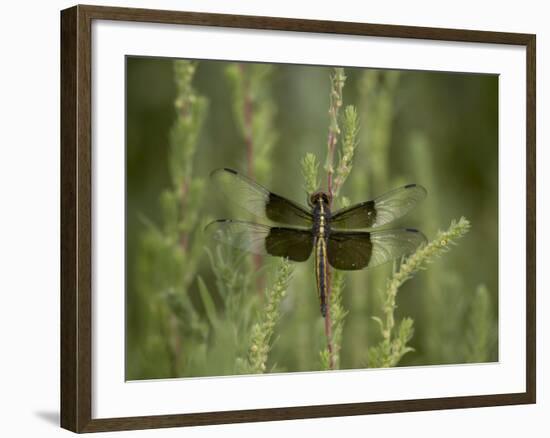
337 173
443 287
338 314
254 111
232 323
231 320
310 173
215 324
336 98
394 342
476 342
263 330
349 144
377 92
174 248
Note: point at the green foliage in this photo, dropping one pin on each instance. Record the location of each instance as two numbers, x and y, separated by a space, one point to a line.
197 309
170 253
349 143
263 330
394 345
191 110
233 280
337 82
338 315
310 171
254 111
207 335
389 352
230 321
334 318
377 89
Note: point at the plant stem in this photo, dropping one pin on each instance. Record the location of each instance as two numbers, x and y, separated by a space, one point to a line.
247 120
263 330
395 338
328 322
166 248
337 79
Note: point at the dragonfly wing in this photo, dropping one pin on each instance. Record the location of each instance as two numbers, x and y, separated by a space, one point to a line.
380 211
354 250
294 244
258 200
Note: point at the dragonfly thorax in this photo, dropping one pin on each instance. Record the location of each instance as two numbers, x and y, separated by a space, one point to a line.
321 214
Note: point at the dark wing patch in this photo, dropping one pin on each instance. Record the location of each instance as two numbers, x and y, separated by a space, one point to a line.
361 215
284 211
380 211
258 200
353 250
291 243
349 251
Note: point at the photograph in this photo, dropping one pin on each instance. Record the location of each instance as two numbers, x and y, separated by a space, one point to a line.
252 219
285 218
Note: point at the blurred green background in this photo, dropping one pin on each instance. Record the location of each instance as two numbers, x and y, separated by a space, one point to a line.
432 128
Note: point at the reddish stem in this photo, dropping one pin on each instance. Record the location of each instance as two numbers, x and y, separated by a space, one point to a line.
331 148
328 323
247 116
249 140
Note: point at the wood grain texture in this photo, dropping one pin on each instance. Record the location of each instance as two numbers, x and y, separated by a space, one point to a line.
299 25
303 412
76 222
531 249
69 331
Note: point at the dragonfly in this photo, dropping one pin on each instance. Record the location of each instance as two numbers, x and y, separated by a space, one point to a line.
345 239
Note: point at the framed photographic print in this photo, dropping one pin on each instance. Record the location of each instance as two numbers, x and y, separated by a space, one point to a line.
268 218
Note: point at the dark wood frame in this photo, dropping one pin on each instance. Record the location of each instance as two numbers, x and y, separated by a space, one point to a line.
76 237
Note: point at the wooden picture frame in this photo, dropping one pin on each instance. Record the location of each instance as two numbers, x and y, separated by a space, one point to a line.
76 217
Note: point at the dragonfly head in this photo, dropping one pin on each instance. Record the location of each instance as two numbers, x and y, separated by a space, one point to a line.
317 197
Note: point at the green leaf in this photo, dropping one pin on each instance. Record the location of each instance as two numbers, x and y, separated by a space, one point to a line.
379 321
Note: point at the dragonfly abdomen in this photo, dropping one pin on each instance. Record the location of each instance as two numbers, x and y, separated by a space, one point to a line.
321 231
321 272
